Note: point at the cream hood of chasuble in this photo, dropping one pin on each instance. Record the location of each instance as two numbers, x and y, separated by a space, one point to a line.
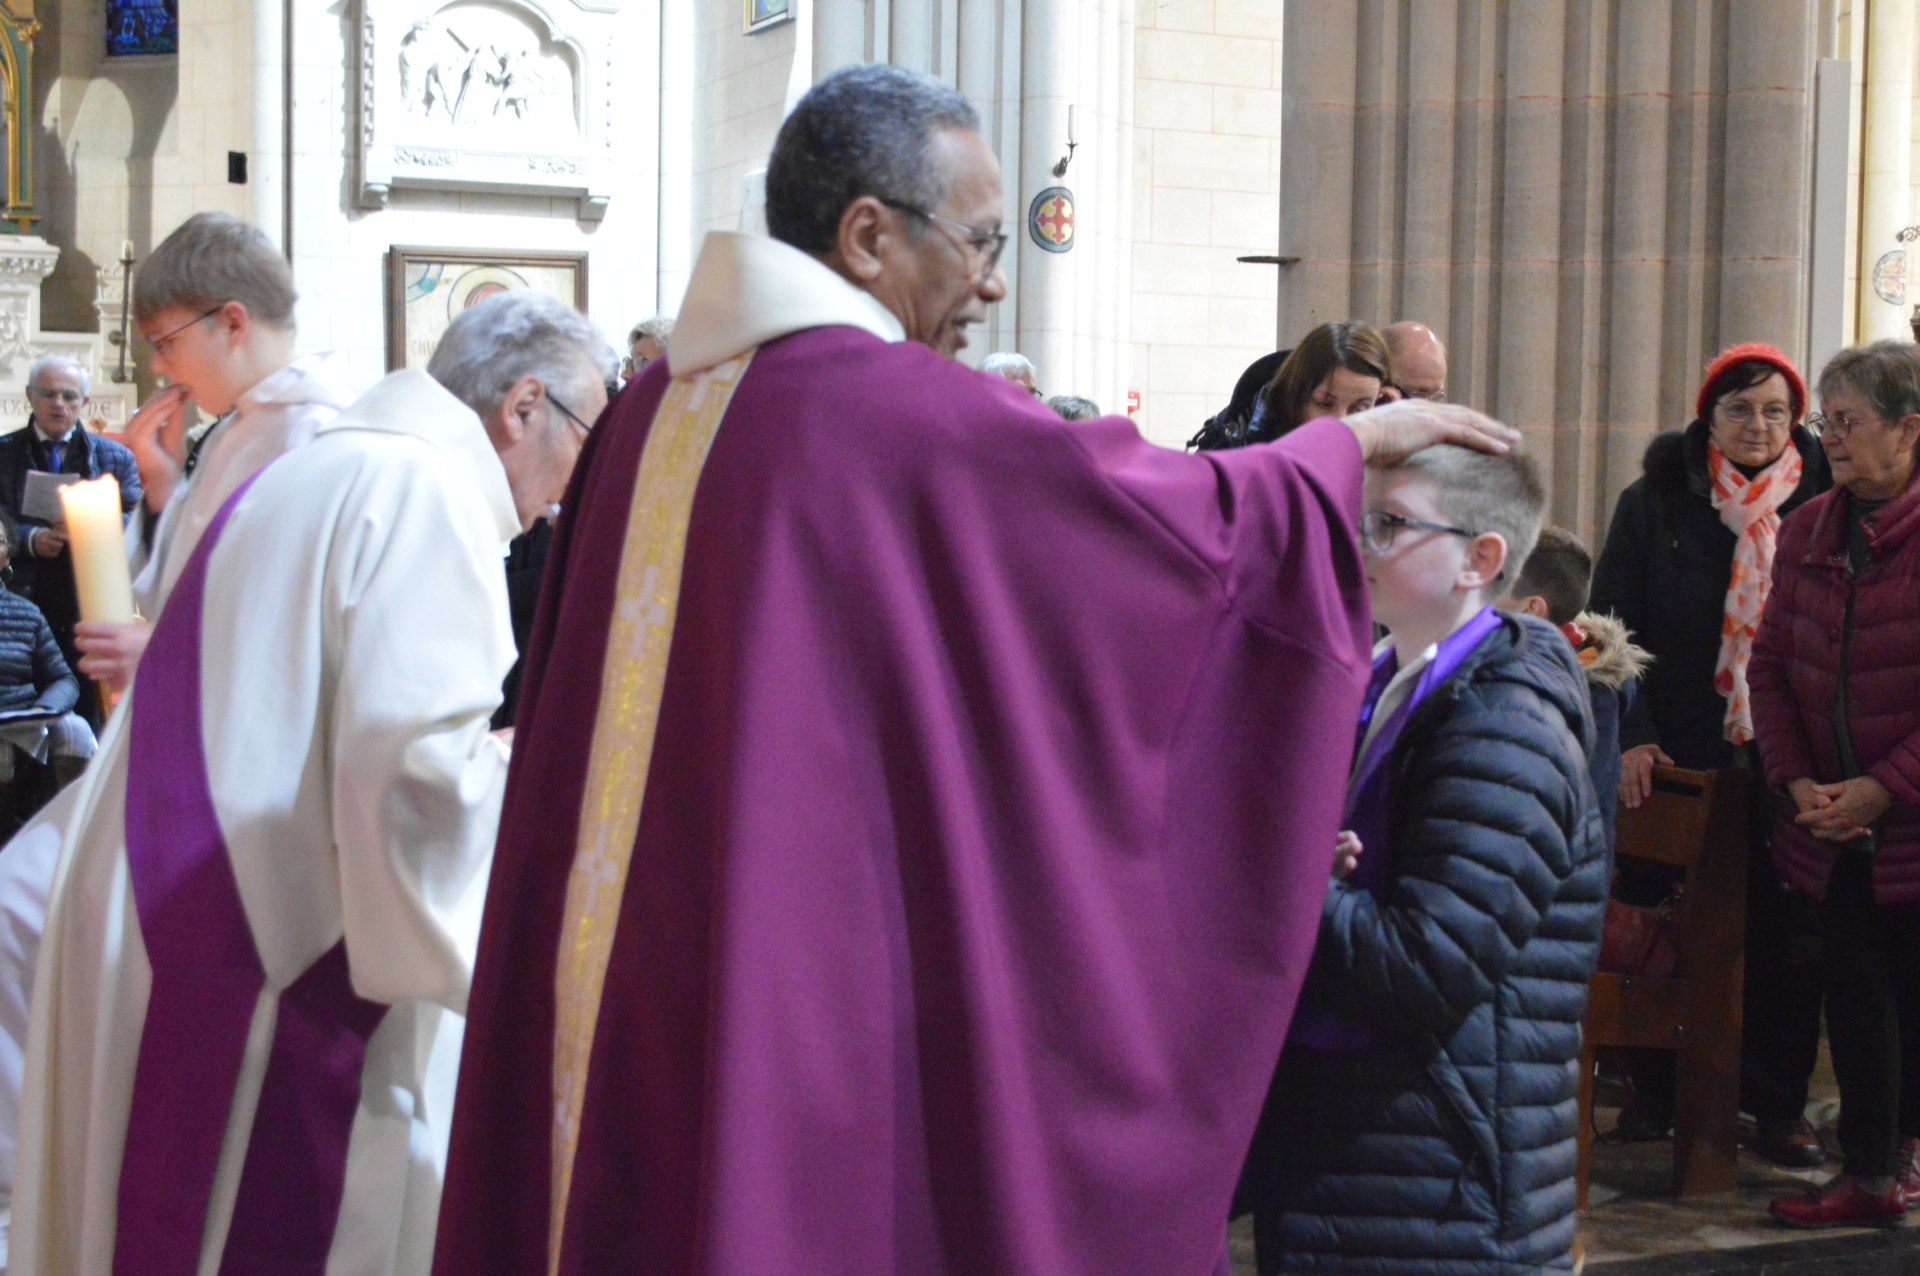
412 403
747 290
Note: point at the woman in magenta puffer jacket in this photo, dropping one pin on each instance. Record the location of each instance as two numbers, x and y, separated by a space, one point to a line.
1835 680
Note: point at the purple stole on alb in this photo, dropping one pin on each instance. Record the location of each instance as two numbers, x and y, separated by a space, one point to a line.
207 979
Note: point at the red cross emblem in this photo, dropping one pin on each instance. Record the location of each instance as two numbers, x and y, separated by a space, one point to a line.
1050 219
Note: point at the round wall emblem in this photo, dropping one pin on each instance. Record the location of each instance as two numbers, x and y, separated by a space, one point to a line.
1050 219
1890 277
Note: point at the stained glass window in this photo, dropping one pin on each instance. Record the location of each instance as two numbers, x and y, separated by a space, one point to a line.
142 26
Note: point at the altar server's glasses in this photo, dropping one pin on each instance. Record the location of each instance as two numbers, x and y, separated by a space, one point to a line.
160 343
986 244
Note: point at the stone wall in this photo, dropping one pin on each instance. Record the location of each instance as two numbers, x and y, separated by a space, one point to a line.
1585 201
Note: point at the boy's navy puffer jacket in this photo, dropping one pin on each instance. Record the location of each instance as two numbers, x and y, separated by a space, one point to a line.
1447 1146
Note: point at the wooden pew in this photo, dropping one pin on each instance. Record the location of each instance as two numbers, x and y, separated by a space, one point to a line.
1697 822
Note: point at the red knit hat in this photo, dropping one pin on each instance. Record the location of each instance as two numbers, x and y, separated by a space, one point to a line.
1758 352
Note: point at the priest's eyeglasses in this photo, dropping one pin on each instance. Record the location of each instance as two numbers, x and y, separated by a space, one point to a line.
986 244
160 343
1379 527
569 413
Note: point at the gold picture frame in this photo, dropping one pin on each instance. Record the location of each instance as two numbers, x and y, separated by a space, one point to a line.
760 14
428 287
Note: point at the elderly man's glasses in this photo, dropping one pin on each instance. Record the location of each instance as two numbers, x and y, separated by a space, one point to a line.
986 244
1837 426
1775 415
69 397
160 343
569 413
1379 527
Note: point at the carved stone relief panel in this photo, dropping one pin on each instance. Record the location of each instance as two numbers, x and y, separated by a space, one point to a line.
491 95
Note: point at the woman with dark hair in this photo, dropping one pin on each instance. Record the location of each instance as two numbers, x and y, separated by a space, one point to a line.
1836 706
1336 370
1685 567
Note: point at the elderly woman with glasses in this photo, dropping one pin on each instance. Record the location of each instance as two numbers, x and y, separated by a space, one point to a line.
1836 702
1685 567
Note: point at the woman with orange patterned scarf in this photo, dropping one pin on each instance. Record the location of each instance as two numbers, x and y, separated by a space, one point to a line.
1686 566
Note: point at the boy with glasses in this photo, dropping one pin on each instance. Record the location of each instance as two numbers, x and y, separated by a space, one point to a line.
1424 1105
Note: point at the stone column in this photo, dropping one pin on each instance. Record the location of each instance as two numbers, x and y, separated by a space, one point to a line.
1886 190
1586 200
267 157
839 35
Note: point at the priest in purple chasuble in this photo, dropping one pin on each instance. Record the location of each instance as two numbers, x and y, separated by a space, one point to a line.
920 812
264 914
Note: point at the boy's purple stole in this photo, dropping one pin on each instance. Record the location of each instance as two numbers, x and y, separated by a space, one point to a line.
1324 1027
207 979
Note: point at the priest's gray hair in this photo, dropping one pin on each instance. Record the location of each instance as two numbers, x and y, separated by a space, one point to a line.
864 130
1003 363
493 345
46 361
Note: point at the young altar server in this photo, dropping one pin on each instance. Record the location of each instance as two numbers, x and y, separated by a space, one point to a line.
267 906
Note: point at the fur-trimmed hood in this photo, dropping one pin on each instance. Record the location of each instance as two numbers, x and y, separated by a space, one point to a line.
1609 657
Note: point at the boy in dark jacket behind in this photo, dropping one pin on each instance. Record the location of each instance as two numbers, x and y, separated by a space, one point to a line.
1422 1118
1553 586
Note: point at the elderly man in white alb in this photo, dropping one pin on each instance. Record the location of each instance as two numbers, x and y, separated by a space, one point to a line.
262 929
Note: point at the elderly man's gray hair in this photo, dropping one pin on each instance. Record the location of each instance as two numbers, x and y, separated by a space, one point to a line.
46 361
1005 362
507 337
863 130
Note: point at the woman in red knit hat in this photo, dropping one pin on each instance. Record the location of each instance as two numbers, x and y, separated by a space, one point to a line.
1686 565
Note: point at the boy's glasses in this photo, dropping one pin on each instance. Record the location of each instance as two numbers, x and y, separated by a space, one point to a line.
160 343
1379 527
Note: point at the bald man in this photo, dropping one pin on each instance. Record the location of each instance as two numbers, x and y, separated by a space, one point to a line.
1419 363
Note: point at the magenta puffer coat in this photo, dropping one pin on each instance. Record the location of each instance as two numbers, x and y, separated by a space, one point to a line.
1796 666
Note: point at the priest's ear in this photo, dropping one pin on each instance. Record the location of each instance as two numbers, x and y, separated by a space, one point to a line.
860 245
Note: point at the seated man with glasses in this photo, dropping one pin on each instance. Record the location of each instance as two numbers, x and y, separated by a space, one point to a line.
1424 1103
54 441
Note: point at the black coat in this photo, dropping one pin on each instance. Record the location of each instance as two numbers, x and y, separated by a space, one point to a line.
1664 571
32 672
1447 1146
48 582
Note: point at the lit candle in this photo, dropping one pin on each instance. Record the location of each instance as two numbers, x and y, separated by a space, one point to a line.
126 250
97 537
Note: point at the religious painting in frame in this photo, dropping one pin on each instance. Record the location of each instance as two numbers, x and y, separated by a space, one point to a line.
428 288
761 14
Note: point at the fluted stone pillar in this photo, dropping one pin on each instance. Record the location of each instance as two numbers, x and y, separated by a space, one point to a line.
1587 199
1073 313
1886 152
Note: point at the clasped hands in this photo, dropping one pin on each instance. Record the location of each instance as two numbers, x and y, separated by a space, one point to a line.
1842 811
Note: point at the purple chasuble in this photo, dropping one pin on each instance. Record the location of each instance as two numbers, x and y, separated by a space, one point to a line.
207 979
957 938
1323 1027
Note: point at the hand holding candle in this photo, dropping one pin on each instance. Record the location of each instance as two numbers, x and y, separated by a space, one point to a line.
98 539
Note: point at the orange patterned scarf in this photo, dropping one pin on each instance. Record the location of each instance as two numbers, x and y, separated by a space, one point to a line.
1750 509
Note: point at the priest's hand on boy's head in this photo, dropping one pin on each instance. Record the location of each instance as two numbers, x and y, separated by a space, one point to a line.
1392 432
